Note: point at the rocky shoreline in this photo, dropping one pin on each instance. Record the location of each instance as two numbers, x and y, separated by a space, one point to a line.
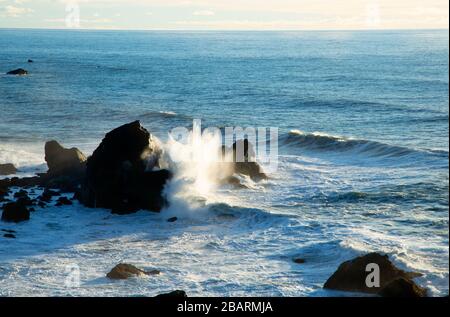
124 174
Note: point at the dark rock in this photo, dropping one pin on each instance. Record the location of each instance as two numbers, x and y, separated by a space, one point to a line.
15 212
402 287
3 193
7 169
63 201
18 71
173 219
244 160
62 161
21 193
47 195
177 293
251 169
9 235
118 176
9 231
25 182
30 61
233 181
25 201
123 271
299 261
351 275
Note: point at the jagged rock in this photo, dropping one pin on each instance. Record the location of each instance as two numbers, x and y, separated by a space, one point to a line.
7 169
177 293
66 167
118 175
351 275
19 71
15 212
24 182
402 287
123 271
62 161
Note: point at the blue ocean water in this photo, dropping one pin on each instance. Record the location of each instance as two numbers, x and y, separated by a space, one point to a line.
363 121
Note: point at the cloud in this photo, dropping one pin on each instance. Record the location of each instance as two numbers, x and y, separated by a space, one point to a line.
11 11
245 14
203 13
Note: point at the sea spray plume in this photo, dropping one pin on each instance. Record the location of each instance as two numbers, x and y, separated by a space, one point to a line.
201 164
194 156
152 154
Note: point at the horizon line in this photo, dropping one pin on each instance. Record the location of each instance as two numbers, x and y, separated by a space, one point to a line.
221 30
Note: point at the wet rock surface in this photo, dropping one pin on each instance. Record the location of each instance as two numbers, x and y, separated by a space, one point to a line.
351 275
7 169
123 271
176 293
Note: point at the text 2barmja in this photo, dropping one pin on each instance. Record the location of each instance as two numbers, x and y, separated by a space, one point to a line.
225 306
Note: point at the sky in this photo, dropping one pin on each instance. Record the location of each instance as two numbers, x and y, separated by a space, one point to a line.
225 14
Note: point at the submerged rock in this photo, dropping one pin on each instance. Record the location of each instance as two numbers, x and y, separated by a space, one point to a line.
7 169
118 175
15 212
63 201
177 293
351 275
123 271
299 261
9 235
47 195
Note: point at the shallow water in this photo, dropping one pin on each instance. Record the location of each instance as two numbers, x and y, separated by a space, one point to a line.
363 120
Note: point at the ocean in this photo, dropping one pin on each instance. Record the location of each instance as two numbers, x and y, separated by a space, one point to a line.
363 157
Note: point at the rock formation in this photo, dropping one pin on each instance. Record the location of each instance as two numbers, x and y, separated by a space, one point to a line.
351 275
118 175
19 71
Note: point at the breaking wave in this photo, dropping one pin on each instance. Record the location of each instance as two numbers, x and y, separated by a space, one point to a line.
324 142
